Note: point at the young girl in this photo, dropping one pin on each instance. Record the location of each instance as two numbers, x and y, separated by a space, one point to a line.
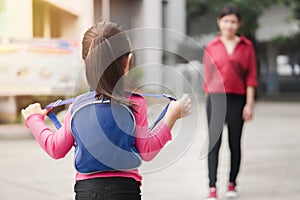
230 82
107 55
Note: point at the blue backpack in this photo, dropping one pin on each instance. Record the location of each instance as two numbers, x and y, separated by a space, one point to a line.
104 133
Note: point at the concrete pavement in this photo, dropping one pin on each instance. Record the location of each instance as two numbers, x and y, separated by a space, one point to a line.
270 168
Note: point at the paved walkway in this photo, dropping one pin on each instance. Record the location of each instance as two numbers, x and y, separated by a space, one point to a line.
270 169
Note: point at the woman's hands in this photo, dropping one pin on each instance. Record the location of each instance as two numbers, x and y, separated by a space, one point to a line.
178 109
33 109
248 108
248 112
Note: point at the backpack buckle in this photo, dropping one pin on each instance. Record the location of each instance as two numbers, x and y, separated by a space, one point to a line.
56 103
170 97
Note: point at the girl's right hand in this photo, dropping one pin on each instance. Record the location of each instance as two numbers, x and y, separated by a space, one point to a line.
178 109
33 109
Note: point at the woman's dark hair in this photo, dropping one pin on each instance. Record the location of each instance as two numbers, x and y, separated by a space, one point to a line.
230 10
105 50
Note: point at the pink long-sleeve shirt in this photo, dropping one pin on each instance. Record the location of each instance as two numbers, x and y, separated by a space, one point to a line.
58 144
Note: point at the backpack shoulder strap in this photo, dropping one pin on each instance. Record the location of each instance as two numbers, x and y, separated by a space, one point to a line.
164 111
161 96
51 113
60 102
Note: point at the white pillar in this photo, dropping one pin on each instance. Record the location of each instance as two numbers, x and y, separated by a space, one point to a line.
175 22
176 16
47 22
106 10
152 58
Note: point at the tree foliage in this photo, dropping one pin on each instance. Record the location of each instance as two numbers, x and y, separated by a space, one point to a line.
296 8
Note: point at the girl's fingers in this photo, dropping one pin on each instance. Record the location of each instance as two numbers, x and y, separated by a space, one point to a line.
186 105
33 109
44 112
38 106
184 97
23 112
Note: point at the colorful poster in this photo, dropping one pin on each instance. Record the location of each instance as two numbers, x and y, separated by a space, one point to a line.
38 66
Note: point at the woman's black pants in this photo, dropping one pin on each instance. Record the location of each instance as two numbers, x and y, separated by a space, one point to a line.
221 109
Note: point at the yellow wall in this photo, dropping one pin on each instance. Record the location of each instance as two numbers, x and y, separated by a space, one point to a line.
73 17
16 18
45 18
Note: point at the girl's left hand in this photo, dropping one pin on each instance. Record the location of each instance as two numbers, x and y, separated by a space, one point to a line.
33 109
248 112
181 108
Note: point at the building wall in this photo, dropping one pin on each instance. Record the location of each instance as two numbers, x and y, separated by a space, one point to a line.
126 12
276 21
69 19
164 17
145 21
16 18
22 72
77 16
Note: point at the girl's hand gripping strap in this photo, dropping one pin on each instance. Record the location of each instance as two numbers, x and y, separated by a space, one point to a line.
60 102
51 113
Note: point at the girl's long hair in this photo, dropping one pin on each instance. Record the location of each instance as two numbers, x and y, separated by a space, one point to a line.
105 50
